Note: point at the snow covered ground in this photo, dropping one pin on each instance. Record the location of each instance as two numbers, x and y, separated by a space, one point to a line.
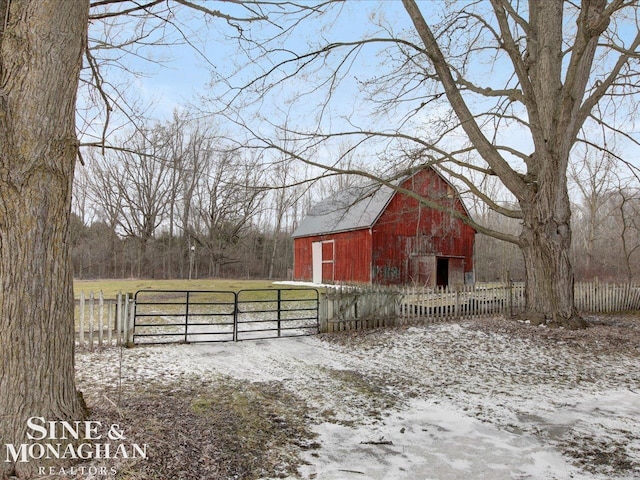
485 399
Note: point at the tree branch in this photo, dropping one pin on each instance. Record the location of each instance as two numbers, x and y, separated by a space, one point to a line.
509 177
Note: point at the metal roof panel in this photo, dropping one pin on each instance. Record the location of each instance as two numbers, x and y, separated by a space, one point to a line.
351 209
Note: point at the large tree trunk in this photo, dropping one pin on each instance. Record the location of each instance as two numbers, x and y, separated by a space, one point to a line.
545 242
548 272
41 48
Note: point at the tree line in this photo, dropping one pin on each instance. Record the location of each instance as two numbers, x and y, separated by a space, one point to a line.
181 201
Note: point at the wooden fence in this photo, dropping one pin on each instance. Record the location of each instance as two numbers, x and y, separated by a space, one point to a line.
106 322
356 308
597 297
103 322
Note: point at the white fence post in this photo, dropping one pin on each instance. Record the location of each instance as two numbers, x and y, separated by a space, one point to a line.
100 318
91 318
119 319
132 309
125 318
81 326
110 322
322 312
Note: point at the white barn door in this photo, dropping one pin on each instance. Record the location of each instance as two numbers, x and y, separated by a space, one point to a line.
316 262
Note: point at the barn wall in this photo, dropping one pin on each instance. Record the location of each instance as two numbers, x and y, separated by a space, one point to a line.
351 251
408 233
302 259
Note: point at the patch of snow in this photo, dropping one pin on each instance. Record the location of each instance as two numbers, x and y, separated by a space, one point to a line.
295 283
431 441
442 401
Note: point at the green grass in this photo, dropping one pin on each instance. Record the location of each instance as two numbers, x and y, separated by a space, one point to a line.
111 287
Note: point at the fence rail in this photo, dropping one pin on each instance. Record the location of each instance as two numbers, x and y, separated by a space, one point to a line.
363 307
164 316
282 312
107 322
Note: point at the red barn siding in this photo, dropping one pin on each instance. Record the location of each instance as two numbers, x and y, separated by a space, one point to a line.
302 259
351 254
408 231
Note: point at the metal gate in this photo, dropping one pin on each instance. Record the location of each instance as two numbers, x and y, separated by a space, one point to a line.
276 313
186 316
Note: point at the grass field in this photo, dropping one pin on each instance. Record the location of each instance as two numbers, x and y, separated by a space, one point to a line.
111 287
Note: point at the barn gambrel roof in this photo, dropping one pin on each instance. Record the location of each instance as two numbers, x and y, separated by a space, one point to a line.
352 209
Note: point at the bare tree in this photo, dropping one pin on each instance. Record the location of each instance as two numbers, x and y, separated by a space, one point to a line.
494 259
457 92
175 133
144 184
38 149
225 203
282 199
628 221
593 177
201 149
108 201
287 184
557 90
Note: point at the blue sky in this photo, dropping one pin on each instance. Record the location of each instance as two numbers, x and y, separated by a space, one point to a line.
185 74
182 75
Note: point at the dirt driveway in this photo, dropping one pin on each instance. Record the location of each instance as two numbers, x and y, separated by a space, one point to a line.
483 399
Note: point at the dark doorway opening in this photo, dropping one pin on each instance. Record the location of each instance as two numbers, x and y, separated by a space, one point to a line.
442 272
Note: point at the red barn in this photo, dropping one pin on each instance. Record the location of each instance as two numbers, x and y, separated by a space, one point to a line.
375 234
